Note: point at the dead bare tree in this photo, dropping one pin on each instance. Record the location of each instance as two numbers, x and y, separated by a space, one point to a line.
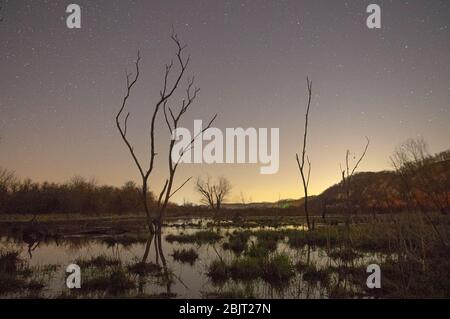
154 220
213 194
304 158
347 175
205 189
221 191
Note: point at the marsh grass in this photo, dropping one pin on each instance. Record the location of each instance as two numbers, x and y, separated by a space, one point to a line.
17 276
112 281
185 255
245 268
200 237
11 283
278 268
100 261
237 242
270 235
256 251
413 258
274 268
10 262
409 279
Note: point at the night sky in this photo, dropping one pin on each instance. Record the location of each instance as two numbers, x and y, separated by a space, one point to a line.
60 88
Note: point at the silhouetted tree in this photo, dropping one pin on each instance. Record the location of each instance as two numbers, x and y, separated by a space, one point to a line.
154 221
213 194
305 174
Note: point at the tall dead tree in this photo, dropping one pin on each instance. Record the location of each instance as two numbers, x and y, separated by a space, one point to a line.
347 175
154 220
306 172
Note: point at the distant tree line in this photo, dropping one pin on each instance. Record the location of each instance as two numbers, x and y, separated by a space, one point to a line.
79 195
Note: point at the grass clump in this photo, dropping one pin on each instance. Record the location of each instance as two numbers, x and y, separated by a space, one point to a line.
245 268
101 261
270 235
323 236
278 268
113 282
257 251
9 262
15 275
11 283
200 237
185 255
237 242
242 268
273 269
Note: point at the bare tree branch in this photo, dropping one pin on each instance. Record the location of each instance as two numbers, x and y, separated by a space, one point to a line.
124 102
179 188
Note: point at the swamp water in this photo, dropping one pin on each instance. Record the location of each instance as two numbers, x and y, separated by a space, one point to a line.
48 261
